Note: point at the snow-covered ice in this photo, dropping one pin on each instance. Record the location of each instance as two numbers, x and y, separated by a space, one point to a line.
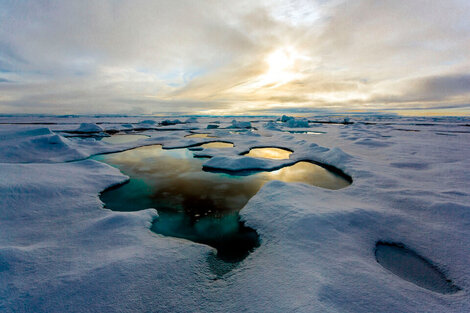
60 251
89 128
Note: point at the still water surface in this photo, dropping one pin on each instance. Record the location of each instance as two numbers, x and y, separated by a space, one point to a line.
217 144
201 135
197 205
269 153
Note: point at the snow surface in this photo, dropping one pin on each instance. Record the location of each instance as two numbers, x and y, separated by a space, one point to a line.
89 128
60 251
240 124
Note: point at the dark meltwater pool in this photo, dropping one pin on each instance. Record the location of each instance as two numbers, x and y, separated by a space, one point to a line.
412 267
197 205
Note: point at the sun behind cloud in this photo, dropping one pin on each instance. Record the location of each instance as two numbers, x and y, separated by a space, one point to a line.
281 68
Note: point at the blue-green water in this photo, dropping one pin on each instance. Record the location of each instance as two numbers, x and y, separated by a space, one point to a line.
194 204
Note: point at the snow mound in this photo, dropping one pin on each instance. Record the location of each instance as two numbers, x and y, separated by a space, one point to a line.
241 163
148 122
89 128
335 156
297 123
35 145
271 126
170 122
240 124
286 118
292 122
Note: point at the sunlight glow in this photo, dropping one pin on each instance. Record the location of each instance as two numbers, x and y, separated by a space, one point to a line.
282 68
280 60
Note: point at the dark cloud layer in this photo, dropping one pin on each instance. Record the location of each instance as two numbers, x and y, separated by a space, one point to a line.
445 86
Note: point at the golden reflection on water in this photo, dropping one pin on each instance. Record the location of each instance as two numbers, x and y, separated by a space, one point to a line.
308 173
217 144
199 136
176 180
269 153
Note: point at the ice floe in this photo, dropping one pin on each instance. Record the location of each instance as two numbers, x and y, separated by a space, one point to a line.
61 251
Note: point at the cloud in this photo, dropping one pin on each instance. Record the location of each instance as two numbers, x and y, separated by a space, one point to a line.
444 87
195 57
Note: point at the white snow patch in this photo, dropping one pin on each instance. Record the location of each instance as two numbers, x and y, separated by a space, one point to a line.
35 145
58 246
240 124
89 128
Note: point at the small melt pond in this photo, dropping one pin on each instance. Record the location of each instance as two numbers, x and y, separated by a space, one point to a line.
198 205
269 153
217 145
199 136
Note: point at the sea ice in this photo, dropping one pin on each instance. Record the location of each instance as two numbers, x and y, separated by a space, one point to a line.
89 128
60 251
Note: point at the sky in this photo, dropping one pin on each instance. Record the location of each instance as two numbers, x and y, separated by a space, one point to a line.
234 57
